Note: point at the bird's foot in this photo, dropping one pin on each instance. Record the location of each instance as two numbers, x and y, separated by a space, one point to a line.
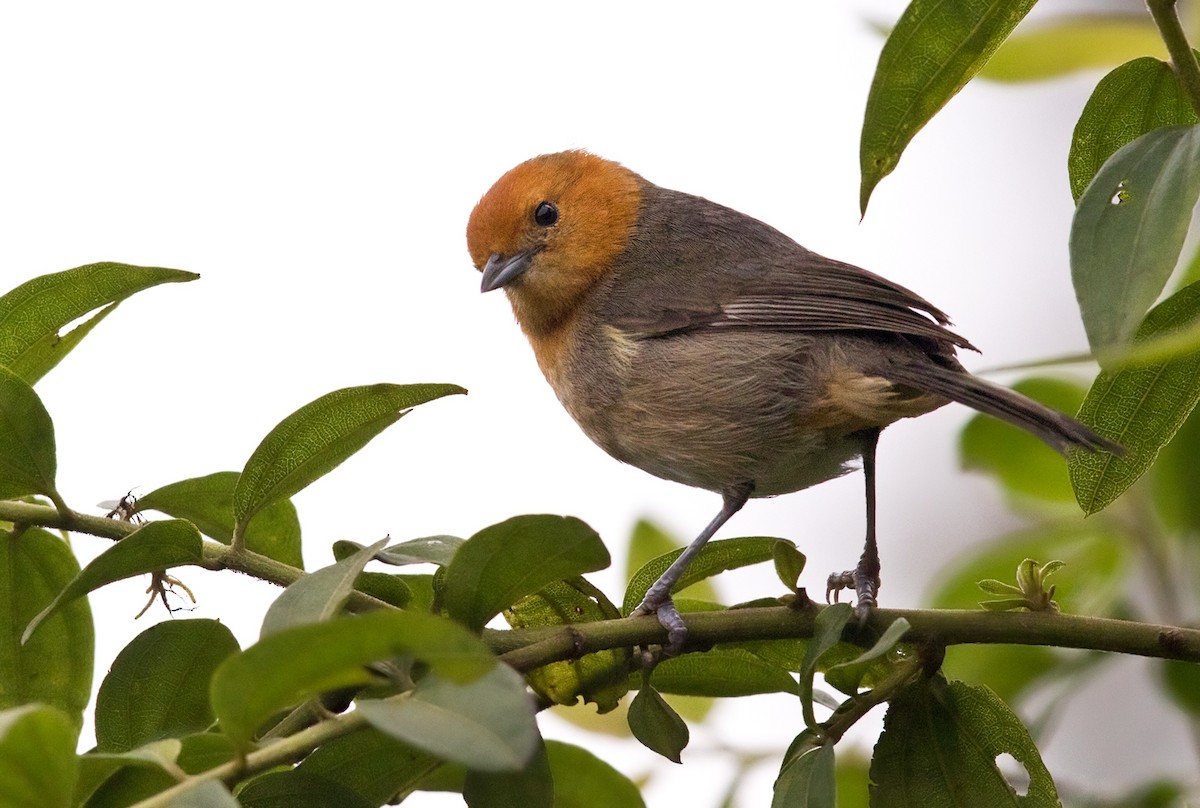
865 584
670 619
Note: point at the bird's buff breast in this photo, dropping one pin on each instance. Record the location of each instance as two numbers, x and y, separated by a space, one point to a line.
710 411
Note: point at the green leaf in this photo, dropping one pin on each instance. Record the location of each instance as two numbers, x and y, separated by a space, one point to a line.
720 674
933 51
391 589
28 462
939 747
370 763
281 670
848 676
827 632
1098 563
1072 43
530 787
1096 555
1023 464
37 757
656 725
134 781
806 778
1173 479
55 667
42 356
318 437
487 724
716 557
152 547
32 314
1140 408
647 542
318 596
503 563
1182 682
438 550
853 775
789 563
1129 229
158 684
295 789
96 768
1133 99
207 502
582 780
206 794
599 677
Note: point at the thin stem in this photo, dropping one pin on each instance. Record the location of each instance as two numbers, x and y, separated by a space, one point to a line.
1166 17
854 708
281 752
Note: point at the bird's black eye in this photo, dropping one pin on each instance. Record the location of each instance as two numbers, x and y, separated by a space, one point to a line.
545 214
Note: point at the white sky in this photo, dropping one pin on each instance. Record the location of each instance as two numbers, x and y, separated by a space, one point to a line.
316 163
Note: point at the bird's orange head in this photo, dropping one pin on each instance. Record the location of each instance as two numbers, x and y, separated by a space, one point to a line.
550 229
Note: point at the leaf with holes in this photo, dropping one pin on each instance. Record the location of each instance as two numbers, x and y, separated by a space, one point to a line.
930 55
1141 408
32 314
1133 99
940 745
598 677
318 437
1129 229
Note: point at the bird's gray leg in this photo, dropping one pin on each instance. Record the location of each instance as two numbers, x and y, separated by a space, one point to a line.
658 597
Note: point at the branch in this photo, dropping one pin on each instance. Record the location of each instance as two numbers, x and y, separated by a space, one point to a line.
1167 19
25 513
281 752
526 649
215 555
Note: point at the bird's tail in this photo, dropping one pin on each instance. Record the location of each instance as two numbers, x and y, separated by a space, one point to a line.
1060 431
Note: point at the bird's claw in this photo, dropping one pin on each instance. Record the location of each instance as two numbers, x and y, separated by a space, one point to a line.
865 586
670 619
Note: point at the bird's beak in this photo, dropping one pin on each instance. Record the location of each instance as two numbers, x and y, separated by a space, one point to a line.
500 271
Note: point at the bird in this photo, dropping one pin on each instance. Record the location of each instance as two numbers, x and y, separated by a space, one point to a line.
706 347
